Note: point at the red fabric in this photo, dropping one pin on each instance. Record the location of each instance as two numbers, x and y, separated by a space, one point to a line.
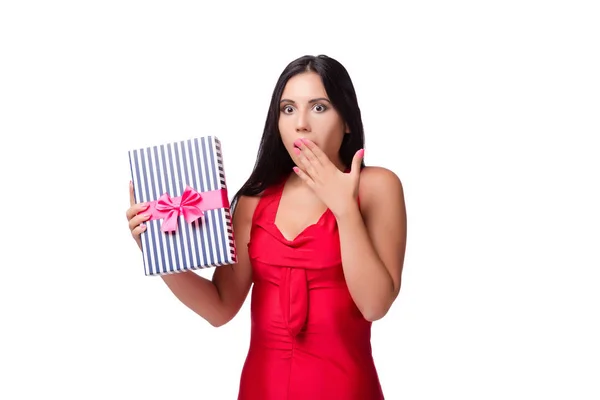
308 341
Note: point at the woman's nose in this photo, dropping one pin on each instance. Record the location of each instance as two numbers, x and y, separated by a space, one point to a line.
302 123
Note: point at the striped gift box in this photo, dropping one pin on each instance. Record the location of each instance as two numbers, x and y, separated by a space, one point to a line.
183 179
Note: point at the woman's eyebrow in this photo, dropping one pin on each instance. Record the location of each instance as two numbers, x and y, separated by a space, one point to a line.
310 101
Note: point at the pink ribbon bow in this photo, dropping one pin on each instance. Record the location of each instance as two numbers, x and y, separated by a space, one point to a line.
188 205
191 204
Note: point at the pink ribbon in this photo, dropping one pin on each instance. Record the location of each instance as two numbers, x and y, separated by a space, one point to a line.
191 204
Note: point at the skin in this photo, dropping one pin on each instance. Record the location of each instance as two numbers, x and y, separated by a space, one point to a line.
372 235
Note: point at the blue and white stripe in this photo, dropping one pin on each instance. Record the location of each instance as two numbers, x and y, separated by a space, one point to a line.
169 168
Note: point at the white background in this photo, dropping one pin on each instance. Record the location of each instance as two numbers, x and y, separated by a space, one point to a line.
487 111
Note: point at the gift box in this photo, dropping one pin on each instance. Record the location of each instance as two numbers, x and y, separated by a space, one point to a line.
190 226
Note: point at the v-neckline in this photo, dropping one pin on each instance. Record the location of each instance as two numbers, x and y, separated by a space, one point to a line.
277 202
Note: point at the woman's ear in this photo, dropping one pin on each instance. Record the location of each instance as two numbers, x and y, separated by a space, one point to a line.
346 128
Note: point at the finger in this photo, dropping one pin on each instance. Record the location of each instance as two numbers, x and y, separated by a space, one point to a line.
131 195
309 167
304 176
303 161
137 220
316 151
138 230
136 209
356 161
307 151
308 162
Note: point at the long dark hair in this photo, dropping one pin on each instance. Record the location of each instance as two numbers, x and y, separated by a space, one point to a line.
273 163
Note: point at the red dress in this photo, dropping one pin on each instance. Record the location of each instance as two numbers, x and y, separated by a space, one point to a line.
308 340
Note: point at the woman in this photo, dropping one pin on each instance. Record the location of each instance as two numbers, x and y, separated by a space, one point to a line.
320 236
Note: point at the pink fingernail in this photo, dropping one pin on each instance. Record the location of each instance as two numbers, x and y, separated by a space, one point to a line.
296 169
297 150
361 152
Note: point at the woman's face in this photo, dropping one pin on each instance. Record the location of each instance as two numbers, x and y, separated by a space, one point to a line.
305 112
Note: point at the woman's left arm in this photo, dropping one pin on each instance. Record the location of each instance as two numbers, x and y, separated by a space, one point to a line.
372 235
373 242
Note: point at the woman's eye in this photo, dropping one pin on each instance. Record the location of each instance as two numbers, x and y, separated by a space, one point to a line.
320 108
287 109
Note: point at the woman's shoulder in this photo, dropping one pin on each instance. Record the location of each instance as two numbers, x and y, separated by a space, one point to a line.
378 182
245 207
249 205
375 177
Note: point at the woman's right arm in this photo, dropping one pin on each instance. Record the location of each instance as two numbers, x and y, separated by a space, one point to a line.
217 300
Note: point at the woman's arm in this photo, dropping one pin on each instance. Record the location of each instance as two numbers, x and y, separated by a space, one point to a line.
373 242
219 300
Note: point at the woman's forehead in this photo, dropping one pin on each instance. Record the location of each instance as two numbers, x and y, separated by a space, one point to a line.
304 87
